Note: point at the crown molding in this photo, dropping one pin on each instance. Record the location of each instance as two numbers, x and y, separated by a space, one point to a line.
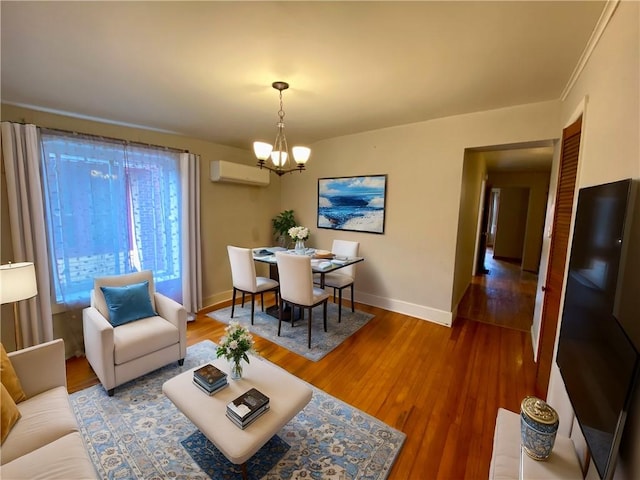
601 25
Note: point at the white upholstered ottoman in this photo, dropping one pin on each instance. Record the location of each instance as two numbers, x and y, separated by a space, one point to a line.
505 459
287 394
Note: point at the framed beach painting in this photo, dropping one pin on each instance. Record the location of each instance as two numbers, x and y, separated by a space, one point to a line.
352 203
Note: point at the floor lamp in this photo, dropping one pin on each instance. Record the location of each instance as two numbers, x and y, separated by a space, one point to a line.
17 283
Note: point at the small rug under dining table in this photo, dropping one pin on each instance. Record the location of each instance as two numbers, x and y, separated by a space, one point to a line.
294 338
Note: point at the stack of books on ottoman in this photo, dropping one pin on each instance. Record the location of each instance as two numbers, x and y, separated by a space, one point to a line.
209 379
245 409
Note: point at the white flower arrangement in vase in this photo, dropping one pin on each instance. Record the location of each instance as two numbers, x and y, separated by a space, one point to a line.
299 234
235 345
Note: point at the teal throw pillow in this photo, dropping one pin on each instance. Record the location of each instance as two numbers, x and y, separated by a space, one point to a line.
129 303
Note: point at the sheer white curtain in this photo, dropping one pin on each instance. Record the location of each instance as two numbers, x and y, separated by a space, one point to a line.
191 253
114 207
21 158
150 193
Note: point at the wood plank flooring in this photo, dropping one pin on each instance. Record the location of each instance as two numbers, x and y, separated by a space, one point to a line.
505 296
440 386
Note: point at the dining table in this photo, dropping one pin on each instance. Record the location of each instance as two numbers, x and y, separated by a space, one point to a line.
322 262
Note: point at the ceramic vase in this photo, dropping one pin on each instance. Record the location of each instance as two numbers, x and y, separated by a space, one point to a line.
538 426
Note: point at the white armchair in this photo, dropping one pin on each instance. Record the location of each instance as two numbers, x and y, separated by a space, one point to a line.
121 353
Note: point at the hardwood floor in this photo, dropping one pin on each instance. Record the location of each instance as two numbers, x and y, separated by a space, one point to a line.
441 386
505 296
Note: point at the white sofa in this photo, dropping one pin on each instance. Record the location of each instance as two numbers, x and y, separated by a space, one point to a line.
45 442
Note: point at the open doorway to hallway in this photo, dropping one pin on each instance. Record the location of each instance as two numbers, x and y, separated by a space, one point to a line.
511 186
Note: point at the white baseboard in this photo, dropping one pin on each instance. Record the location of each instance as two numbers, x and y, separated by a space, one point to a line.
217 298
434 315
422 312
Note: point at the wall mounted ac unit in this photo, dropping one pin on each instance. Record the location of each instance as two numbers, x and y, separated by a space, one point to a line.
230 172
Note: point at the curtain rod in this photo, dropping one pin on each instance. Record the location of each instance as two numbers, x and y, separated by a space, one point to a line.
112 139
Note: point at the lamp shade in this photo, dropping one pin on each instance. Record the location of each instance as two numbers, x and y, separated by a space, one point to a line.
279 158
262 150
17 282
301 154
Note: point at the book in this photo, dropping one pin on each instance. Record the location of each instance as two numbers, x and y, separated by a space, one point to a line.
247 404
250 419
208 387
209 374
206 390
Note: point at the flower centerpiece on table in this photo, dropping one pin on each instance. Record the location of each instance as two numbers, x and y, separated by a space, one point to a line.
235 345
299 234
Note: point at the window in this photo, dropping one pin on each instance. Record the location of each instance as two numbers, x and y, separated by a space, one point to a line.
111 208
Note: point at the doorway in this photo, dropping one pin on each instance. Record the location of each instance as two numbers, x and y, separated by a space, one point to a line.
510 231
566 185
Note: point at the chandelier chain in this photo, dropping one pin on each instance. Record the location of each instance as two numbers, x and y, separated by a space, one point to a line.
281 111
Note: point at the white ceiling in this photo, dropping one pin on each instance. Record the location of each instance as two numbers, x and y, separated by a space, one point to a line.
204 69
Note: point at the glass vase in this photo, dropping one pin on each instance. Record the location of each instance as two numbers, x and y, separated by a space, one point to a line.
300 248
236 369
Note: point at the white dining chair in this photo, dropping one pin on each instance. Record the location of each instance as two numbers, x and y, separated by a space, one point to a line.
296 288
344 277
243 274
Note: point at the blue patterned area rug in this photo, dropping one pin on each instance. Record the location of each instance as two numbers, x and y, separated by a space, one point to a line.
294 338
216 465
139 434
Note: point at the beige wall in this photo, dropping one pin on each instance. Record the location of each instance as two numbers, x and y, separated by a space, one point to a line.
538 185
411 268
471 197
609 151
511 223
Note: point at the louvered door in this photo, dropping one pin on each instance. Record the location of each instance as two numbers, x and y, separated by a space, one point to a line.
557 254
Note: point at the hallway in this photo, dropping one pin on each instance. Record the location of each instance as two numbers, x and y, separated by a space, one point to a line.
504 297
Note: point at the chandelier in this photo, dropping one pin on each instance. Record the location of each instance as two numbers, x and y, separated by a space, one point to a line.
279 151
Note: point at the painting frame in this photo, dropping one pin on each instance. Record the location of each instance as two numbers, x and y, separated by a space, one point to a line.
354 203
